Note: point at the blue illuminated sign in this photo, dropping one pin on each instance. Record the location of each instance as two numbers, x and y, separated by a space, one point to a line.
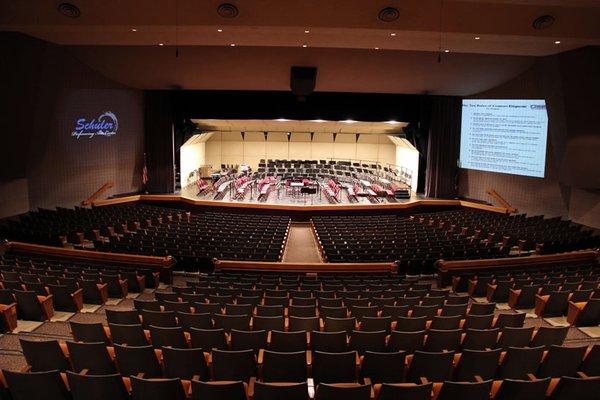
105 125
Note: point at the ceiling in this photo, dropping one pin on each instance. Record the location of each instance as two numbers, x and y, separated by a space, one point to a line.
488 42
257 125
502 26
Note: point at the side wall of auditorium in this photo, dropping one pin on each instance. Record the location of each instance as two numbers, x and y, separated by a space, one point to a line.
570 84
44 91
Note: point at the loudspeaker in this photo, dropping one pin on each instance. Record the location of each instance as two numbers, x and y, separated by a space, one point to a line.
302 81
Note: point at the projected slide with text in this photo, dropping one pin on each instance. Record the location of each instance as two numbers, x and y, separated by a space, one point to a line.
506 136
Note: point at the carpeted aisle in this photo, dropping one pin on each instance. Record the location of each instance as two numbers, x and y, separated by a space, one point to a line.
301 244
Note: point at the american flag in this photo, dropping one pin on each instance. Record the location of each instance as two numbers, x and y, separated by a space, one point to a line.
144 172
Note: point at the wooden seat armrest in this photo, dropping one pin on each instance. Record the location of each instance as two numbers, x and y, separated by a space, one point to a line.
84 371
77 297
540 304
423 380
47 303
140 375
261 354
26 368
531 377
9 314
141 282
308 357
472 285
250 389
582 374
513 297
573 311
196 378
490 291
367 381
103 289
478 378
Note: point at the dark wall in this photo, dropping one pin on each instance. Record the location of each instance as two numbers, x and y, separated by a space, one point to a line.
570 84
44 91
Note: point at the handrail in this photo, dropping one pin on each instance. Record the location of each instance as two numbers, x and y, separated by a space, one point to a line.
501 200
304 267
160 264
446 268
98 193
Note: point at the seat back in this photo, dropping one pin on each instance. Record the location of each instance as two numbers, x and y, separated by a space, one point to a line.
519 362
97 387
466 390
194 320
288 341
163 319
36 385
88 332
233 365
334 367
284 366
208 339
28 306
550 335
248 340
288 391
91 356
168 337
131 335
328 341
483 363
45 355
561 361
435 366
383 367
157 389
343 392
406 341
405 391
123 317
185 363
131 360
515 389
576 388
218 390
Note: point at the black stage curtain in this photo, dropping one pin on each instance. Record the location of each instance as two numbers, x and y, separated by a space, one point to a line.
158 129
442 151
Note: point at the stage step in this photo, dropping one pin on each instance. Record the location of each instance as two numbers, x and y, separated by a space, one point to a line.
301 245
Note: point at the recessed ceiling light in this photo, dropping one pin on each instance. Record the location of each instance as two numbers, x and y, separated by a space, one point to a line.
393 34
307 31
304 45
557 42
232 44
161 44
348 121
376 48
219 30
477 38
446 51
133 30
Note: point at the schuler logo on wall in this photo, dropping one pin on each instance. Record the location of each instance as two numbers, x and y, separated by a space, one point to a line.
105 125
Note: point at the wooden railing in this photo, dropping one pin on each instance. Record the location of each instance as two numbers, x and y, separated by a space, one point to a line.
163 265
98 193
448 268
253 266
501 200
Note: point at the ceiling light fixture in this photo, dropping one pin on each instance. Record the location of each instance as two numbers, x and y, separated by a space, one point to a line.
307 31
392 122
161 44
376 48
282 119
219 30
557 42
446 51
133 30
232 44
393 34
477 38
304 45
318 120
348 121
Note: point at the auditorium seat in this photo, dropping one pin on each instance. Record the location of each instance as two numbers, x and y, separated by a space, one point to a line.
96 387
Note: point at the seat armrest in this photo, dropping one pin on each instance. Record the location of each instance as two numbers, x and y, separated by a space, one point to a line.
250 389
261 354
47 304
582 374
490 291
77 297
573 311
540 304
513 297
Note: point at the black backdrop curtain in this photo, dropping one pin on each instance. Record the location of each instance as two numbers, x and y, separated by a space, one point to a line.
158 127
442 152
